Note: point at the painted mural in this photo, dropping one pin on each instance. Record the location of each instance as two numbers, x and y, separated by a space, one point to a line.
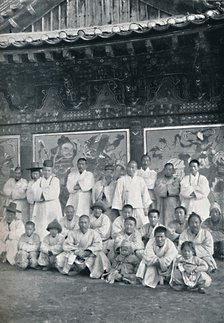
180 144
98 147
9 159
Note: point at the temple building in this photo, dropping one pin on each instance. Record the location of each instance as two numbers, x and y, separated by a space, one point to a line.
110 80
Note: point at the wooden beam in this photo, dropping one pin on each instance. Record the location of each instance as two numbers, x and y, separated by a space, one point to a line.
3 59
130 49
174 42
149 46
67 54
17 58
109 51
32 58
89 52
49 56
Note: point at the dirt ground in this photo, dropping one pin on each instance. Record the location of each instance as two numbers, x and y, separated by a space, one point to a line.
37 296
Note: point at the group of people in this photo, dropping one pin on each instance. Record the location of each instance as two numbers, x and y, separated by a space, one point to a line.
142 227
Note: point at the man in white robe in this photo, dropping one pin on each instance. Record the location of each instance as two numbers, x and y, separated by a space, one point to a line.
47 206
131 189
35 170
103 191
167 189
194 191
11 230
157 259
69 221
149 177
83 248
79 184
15 191
99 221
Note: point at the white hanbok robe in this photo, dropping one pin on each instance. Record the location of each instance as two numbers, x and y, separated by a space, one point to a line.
132 190
117 226
80 199
203 243
97 262
69 225
9 237
53 244
200 186
102 225
30 196
147 271
45 211
16 192
104 193
134 239
167 190
149 177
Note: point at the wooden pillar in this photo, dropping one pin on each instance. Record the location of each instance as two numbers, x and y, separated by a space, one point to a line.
136 141
26 154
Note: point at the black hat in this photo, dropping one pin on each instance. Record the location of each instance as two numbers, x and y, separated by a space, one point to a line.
34 166
54 225
48 163
12 208
99 205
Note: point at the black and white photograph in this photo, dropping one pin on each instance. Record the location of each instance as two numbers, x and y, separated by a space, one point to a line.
111 161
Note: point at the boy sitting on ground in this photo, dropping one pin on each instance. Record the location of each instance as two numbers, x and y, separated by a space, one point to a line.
147 231
51 246
124 266
28 247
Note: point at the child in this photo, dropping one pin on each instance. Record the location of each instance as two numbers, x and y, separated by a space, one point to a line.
11 230
124 266
189 271
147 231
28 247
51 246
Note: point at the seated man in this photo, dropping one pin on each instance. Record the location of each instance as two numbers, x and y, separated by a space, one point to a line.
51 246
215 225
124 265
147 231
157 259
176 227
11 230
130 234
83 248
100 222
118 224
70 221
28 247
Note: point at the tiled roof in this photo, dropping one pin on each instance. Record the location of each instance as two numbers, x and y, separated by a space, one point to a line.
36 39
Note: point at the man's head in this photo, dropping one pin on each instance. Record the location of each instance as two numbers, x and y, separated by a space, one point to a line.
84 223
11 212
47 168
98 208
194 166
131 168
18 173
153 216
180 214
35 174
69 212
127 211
81 165
109 172
129 225
160 236
10 216
169 170
29 228
145 161
194 223
54 228
215 212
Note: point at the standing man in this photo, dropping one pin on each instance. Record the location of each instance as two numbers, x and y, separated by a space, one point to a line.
15 191
167 189
131 189
103 191
35 170
47 206
194 191
79 184
149 176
